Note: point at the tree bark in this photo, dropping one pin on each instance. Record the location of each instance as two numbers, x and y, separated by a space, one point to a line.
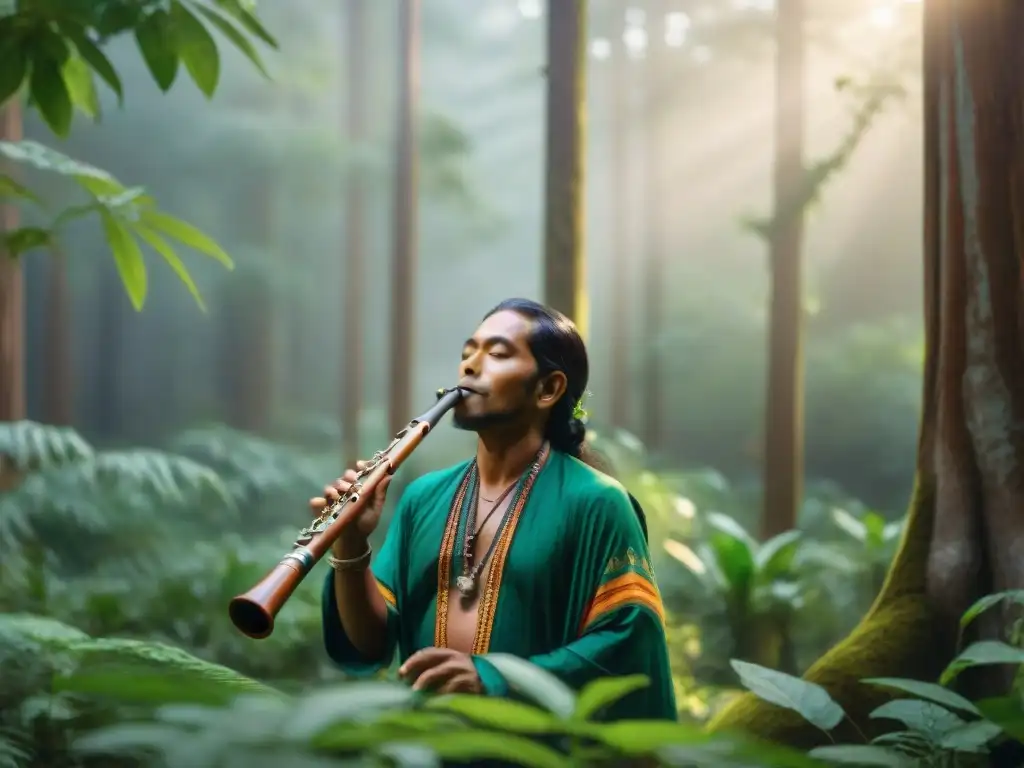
403 264
58 376
619 351
564 263
351 362
965 527
12 321
783 435
657 147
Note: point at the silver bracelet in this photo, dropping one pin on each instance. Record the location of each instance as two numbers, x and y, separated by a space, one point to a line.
355 564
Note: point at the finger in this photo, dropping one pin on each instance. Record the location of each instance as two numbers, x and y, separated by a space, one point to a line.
436 677
331 493
360 466
422 660
459 683
317 504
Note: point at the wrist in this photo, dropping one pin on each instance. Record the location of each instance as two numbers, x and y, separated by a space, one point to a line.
349 546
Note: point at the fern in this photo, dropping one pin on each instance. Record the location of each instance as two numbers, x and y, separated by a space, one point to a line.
30 446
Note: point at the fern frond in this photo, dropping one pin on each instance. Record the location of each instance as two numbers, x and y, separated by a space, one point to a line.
12 753
164 477
32 446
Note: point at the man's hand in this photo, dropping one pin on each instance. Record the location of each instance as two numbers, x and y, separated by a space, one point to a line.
441 670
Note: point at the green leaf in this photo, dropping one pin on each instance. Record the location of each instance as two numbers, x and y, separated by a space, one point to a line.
81 89
24 239
532 682
981 654
129 685
196 48
128 257
162 247
734 550
348 702
13 67
808 699
50 94
925 717
46 159
929 691
500 714
774 558
475 746
240 41
644 737
850 525
247 19
606 691
971 737
187 234
863 755
1007 713
155 38
989 601
100 64
12 188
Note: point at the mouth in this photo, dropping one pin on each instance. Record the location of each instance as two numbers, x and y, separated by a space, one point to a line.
469 390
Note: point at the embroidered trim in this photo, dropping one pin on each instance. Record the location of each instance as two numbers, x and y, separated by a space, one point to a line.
630 560
628 589
489 601
444 564
387 594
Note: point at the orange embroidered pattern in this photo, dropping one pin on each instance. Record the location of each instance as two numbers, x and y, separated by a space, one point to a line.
387 594
633 587
444 566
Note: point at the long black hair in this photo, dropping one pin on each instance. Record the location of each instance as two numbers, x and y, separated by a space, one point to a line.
556 345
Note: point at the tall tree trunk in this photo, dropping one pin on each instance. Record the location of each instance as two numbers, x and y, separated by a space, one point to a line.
964 529
621 274
403 264
657 146
12 321
350 375
113 306
783 434
564 260
58 378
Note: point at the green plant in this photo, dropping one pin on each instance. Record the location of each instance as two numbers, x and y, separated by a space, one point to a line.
753 588
939 727
54 51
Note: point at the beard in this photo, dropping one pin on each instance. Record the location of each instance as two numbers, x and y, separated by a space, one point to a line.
482 422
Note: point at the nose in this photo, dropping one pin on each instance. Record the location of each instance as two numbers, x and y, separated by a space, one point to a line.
468 368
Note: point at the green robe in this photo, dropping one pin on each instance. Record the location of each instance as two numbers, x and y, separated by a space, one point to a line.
571 586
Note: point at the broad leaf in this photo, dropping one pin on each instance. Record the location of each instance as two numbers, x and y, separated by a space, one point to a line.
246 19
20 241
13 67
500 714
186 234
534 683
240 41
775 557
99 62
925 717
1007 713
344 703
162 247
808 699
128 257
980 654
864 755
971 737
606 691
81 89
929 691
155 38
989 601
850 525
475 746
196 49
50 94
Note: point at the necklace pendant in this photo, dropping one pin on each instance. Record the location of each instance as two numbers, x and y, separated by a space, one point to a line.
466 585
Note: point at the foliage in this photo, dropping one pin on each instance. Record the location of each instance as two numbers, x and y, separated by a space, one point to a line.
54 51
938 725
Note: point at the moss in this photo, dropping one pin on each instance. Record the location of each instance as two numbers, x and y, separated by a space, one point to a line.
895 639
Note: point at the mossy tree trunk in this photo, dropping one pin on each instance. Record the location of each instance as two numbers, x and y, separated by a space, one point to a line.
564 273
404 223
965 526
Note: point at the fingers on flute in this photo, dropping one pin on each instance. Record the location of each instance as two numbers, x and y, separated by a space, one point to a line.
333 492
317 504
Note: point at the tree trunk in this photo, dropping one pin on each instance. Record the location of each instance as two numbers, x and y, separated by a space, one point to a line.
618 333
657 147
403 264
783 435
58 375
564 264
964 531
108 412
12 321
351 362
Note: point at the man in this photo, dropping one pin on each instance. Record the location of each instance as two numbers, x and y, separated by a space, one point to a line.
523 550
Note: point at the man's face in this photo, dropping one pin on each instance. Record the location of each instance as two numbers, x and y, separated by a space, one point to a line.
499 369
